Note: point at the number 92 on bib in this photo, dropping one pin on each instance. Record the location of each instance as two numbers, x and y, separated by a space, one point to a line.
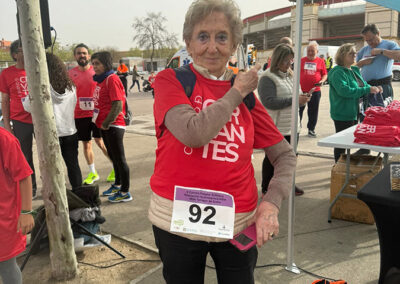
203 212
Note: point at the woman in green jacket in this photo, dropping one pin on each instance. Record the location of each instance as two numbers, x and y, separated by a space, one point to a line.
346 87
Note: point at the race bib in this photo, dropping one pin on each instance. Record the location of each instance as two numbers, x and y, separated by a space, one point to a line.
203 212
95 114
311 66
26 103
86 104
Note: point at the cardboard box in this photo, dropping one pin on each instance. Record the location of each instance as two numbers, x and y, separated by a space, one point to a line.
361 171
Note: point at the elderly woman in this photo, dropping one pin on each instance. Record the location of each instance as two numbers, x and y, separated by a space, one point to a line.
275 90
204 190
346 87
108 115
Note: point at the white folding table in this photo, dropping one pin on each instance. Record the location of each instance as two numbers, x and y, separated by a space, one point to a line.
344 139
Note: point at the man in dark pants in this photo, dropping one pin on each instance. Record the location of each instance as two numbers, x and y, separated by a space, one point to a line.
312 75
13 87
122 72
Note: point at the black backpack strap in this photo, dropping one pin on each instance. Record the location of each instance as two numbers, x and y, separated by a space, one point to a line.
249 100
187 78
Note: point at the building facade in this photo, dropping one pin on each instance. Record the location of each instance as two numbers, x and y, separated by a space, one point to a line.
330 22
5 44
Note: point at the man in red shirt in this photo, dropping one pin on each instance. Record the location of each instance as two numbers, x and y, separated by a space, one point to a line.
312 75
13 88
82 76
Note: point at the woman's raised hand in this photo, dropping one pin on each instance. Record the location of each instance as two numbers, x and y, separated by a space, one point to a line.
246 82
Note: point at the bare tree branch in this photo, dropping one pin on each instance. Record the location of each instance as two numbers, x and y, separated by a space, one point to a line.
151 33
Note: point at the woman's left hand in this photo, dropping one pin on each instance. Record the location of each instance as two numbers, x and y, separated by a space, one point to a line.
267 224
104 127
25 223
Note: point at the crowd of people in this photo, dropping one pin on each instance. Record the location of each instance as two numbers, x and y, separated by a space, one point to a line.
359 80
208 121
88 101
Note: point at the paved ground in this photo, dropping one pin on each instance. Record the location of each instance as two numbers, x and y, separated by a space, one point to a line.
341 250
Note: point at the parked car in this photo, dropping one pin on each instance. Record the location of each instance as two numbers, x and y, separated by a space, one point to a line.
396 71
143 73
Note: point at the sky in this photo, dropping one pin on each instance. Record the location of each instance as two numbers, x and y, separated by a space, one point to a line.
108 23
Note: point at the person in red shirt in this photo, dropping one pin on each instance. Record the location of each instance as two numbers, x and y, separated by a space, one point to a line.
82 76
108 114
15 206
151 80
204 190
312 75
13 88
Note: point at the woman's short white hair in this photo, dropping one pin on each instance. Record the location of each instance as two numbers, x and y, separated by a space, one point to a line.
200 9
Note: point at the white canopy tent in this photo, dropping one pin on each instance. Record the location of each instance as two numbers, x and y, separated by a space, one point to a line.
391 4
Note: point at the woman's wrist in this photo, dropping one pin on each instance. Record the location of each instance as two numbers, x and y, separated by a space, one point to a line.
28 212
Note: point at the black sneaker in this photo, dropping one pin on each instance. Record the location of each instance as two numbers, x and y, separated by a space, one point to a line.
311 133
298 191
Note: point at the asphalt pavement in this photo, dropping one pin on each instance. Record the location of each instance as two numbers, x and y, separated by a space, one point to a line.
338 250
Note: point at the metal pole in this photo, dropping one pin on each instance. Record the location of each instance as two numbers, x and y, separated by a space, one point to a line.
290 266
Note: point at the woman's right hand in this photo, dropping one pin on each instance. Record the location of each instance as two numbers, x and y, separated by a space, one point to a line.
374 90
246 82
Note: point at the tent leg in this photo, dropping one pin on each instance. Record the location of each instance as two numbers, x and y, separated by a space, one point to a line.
97 238
293 268
295 111
34 243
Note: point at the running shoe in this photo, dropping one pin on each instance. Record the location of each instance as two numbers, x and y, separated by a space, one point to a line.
312 134
91 178
111 176
112 190
120 197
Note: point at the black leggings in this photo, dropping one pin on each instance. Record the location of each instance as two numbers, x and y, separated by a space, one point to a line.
113 140
24 133
267 171
69 150
340 126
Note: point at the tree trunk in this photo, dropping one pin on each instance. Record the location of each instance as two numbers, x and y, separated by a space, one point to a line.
62 254
151 59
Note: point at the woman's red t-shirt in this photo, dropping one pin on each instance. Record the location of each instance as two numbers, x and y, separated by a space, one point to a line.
13 169
224 164
111 89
